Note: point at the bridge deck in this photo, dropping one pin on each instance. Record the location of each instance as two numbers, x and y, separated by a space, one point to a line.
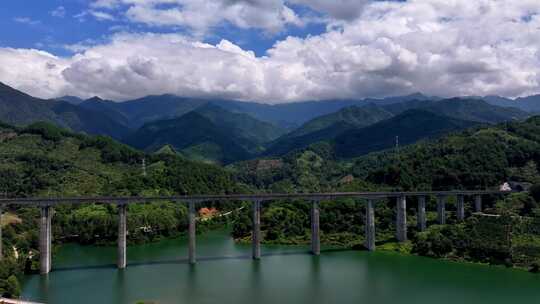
48 201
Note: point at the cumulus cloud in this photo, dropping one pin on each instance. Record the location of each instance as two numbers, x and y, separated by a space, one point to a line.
441 48
201 15
35 72
336 9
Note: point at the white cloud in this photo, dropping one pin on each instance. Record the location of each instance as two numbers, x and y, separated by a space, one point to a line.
59 12
445 48
337 9
108 4
26 20
101 16
35 72
201 15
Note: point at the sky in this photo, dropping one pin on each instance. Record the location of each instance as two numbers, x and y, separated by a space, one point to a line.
271 51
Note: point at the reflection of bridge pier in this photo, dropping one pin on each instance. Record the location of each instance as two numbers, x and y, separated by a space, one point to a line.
46 205
1 213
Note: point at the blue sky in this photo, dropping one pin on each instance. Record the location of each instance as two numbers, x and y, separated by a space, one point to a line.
271 51
50 25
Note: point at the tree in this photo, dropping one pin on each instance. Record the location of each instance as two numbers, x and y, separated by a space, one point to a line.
535 192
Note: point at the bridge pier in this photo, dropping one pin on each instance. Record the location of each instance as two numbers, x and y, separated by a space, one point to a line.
421 213
478 203
122 236
460 208
370 226
256 234
192 233
401 220
45 240
441 209
315 229
1 239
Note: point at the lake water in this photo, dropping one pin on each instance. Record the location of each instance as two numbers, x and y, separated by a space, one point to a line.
159 273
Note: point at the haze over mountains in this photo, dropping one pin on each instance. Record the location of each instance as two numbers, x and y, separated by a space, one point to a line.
226 131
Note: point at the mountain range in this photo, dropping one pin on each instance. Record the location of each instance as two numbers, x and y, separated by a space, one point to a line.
226 131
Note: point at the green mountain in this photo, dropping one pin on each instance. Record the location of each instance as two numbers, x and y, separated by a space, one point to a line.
287 144
43 160
349 120
409 126
288 116
530 103
18 108
70 99
80 119
241 124
21 109
464 109
152 108
327 127
107 108
477 158
354 116
195 136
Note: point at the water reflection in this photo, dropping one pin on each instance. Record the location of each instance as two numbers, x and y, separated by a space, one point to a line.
160 273
44 281
119 285
315 281
192 290
254 280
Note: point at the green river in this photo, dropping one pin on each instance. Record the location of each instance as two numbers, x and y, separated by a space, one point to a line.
159 273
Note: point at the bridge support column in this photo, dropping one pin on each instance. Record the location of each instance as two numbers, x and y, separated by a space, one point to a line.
460 208
192 233
401 220
370 226
45 240
1 252
478 203
315 229
421 213
256 234
122 236
441 209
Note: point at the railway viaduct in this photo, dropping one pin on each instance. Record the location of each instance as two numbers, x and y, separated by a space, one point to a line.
368 198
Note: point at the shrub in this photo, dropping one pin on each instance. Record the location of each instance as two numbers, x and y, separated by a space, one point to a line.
46 130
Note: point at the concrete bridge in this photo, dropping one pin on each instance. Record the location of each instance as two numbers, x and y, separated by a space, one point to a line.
370 198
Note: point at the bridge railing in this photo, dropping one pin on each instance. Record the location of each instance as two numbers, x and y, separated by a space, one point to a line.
46 205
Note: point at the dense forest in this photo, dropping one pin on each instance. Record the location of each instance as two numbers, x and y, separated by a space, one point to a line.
47 161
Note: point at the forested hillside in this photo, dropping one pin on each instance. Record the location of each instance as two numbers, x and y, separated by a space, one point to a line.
404 129
42 160
196 137
482 157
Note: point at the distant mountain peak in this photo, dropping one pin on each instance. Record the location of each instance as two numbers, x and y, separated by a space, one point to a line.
95 99
417 95
70 99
